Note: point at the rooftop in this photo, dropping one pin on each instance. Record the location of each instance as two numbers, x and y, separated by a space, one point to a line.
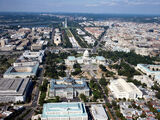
14 86
98 112
64 109
19 70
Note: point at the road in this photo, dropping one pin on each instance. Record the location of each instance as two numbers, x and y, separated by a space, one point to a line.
99 41
34 103
105 97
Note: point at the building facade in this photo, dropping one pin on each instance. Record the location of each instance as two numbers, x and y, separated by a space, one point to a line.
14 90
121 89
34 55
68 88
21 71
85 59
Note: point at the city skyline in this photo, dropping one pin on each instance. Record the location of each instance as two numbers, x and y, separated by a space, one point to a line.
83 6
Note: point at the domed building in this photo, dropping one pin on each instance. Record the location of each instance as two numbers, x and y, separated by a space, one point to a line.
85 59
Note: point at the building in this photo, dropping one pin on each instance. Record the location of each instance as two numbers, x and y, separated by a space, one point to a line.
23 45
95 31
39 45
8 48
34 55
22 61
64 111
85 59
89 40
151 70
57 37
68 88
65 23
21 71
144 79
14 90
121 89
3 42
98 112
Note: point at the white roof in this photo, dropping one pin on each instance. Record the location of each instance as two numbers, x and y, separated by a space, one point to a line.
98 112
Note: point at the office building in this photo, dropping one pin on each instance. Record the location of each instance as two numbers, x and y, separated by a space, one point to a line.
68 88
34 55
64 111
98 112
21 71
121 89
14 90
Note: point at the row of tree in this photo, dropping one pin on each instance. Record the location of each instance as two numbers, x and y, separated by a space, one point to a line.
130 57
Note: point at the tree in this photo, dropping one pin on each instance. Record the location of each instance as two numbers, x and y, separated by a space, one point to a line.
158 116
76 65
91 84
158 95
103 68
103 81
83 97
143 115
77 71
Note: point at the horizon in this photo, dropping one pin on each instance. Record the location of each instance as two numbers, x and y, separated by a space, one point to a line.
132 14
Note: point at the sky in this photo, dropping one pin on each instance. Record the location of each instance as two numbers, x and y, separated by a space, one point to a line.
82 6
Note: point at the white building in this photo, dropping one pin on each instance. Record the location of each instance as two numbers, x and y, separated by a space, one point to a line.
98 112
144 79
22 61
85 59
89 40
57 37
121 89
64 111
34 55
152 70
80 32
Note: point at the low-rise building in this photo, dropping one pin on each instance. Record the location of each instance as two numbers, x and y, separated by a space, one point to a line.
98 112
39 45
14 90
144 79
64 111
121 89
68 88
152 70
21 71
34 55
22 61
8 48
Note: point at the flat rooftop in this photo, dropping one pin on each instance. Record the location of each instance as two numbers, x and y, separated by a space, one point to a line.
26 70
11 87
64 109
98 112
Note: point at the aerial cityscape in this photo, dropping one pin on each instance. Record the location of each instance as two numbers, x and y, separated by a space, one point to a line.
80 60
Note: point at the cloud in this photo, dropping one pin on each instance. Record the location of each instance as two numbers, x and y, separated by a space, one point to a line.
124 2
102 3
141 2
